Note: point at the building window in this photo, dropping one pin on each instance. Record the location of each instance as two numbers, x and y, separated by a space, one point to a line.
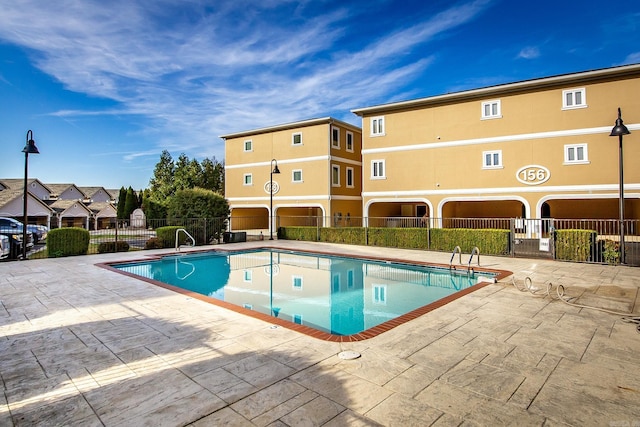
377 169
492 159
377 126
379 294
296 138
248 145
296 282
491 110
335 137
335 175
248 179
349 172
349 144
248 276
296 175
350 278
574 98
576 154
335 280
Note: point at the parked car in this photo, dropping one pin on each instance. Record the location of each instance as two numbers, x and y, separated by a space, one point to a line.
39 232
13 230
5 247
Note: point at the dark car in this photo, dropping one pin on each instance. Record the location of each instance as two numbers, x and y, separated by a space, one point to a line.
39 232
13 230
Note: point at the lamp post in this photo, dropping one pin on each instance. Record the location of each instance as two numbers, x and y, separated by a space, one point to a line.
619 130
277 171
29 148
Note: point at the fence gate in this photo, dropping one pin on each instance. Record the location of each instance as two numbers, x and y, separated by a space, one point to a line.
532 238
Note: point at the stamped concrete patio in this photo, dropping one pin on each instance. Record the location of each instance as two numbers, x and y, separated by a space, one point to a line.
81 345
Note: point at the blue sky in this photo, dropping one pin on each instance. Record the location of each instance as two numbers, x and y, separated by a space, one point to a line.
107 85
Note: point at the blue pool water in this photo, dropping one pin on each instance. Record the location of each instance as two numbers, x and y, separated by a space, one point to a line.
338 295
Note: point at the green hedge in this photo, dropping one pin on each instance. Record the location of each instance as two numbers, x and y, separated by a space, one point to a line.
167 235
67 241
407 238
488 241
308 234
108 247
575 245
348 235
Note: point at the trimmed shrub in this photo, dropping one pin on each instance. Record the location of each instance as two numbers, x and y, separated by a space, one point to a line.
407 238
167 235
488 241
348 235
575 245
108 247
307 234
67 241
153 243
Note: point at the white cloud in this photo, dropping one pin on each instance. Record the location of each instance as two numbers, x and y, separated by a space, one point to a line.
529 52
197 71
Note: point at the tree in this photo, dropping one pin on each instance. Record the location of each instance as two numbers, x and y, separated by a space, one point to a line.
162 184
213 175
122 198
199 203
131 203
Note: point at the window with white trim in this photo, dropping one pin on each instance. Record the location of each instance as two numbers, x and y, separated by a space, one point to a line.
335 137
248 179
296 138
296 282
377 126
491 109
296 175
380 294
248 145
335 175
574 98
349 143
349 173
576 154
377 169
492 159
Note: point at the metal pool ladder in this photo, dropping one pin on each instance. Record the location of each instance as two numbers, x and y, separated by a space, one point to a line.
178 246
457 250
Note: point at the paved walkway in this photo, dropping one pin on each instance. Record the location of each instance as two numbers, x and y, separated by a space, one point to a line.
80 345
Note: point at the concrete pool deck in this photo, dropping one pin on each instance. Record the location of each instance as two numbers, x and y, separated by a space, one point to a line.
82 345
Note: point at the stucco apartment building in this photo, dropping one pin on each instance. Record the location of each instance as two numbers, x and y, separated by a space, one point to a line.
532 149
319 182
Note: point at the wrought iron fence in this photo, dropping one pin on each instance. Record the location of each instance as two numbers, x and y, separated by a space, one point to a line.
528 237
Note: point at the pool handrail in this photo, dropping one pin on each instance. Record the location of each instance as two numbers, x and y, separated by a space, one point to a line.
456 249
475 251
178 245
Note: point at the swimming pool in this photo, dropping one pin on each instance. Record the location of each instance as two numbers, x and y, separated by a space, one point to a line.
337 296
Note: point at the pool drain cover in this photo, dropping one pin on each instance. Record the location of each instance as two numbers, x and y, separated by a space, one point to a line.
348 355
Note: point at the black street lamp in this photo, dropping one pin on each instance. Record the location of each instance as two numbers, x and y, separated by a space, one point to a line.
619 130
29 148
271 188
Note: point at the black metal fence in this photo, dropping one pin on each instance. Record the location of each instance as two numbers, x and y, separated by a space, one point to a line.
532 238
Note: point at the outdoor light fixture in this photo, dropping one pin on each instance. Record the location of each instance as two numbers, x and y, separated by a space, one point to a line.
274 169
619 130
29 148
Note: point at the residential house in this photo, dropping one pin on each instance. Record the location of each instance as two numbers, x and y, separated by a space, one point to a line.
320 169
531 149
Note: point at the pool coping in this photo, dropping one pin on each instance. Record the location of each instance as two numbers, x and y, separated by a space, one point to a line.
306 330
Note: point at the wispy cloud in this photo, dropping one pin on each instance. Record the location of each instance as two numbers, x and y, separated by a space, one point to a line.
529 52
196 71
